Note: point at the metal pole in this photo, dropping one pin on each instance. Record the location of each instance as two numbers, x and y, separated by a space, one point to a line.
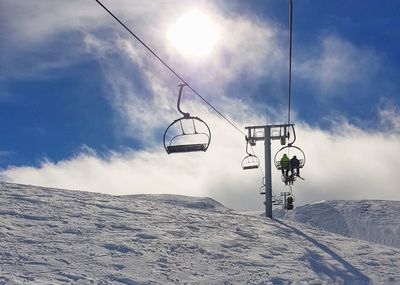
268 179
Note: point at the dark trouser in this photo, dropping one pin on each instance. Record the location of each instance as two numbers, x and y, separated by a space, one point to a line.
297 171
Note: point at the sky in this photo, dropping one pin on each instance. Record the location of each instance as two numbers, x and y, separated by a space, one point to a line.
83 105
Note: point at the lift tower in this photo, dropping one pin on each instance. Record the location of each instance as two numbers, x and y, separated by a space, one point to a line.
266 134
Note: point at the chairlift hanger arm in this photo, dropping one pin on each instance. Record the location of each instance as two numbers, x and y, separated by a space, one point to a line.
294 136
185 115
247 147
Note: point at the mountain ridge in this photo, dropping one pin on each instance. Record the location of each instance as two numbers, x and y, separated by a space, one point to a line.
371 220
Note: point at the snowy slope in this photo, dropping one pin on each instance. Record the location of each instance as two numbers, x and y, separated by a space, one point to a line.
52 236
370 220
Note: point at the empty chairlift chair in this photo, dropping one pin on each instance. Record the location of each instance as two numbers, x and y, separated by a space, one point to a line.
186 134
250 161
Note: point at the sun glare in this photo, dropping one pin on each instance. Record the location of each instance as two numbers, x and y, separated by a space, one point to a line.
194 34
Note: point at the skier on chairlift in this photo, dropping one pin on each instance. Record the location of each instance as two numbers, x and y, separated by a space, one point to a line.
295 164
289 203
285 168
285 165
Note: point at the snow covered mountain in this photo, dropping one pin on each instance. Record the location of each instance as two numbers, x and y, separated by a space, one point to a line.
53 236
370 220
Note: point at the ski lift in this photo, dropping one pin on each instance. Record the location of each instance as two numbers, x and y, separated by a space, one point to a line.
290 150
250 161
186 134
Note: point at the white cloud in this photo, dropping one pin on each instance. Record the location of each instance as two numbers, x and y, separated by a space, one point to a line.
390 120
337 63
49 35
351 164
34 26
39 21
39 32
347 163
147 171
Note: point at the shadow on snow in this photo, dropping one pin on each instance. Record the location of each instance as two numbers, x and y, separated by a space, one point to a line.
349 274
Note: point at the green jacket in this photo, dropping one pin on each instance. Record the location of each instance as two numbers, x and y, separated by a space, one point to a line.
285 161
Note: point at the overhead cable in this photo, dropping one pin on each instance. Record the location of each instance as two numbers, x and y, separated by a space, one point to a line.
290 57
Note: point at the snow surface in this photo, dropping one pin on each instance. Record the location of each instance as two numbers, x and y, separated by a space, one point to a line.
53 236
371 220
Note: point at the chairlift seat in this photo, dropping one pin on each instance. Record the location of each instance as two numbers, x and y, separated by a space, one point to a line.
279 166
186 148
253 166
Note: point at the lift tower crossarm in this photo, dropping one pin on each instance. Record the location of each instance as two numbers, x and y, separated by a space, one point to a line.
269 132
271 126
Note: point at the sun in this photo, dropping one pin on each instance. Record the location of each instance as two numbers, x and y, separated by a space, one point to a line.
194 34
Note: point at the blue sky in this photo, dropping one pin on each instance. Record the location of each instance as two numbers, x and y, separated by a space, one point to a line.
76 89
